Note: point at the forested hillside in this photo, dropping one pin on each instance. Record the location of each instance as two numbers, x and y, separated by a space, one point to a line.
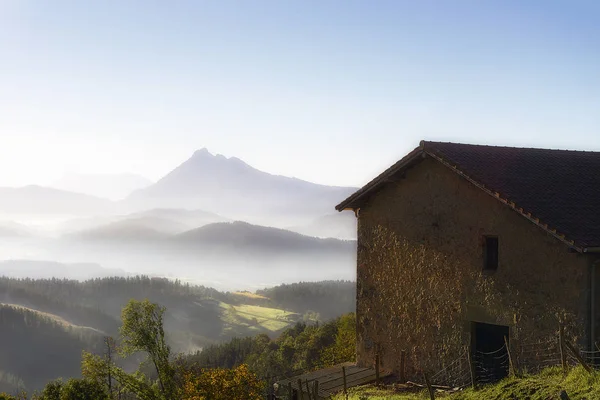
303 347
139 363
63 317
38 347
329 299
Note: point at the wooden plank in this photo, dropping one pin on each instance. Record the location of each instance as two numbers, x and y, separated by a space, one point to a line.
331 380
358 382
358 379
349 380
339 376
349 377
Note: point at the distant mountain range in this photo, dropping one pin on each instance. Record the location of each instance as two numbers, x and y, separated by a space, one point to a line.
159 220
38 269
109 186
12 229
221 237
244 236
229 186
225 189
43 200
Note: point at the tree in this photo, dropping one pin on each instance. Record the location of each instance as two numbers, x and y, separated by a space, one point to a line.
73 389
143 331
344 348
20 396
52 390
83 389
222 384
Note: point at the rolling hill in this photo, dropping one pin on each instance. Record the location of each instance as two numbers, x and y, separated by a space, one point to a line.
109 186
12 229
221 237
42 347
242 235
40 269
129 230
43 200
160 220
49 322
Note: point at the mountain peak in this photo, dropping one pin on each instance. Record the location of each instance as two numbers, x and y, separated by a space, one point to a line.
203 152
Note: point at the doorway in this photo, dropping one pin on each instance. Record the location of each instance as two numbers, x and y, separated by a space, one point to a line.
488 351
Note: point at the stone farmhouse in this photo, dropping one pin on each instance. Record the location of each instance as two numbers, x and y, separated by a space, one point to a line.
460 246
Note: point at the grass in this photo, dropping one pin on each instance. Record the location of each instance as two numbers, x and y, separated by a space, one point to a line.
250 295
547 385
256 318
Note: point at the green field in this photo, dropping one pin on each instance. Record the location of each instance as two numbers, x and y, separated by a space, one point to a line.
547 385
255 319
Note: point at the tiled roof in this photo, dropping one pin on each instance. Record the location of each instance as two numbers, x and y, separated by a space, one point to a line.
557 189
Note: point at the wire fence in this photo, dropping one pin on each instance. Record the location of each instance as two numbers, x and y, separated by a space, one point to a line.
456 374
525 356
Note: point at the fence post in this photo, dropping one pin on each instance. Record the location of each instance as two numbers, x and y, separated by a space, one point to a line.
471 368
308 390
300 391
561 344
377 369
578 357
345 384
429 387
290 391
403 366
510 360
315 389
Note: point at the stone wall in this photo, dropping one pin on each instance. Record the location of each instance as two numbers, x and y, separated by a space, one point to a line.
420 279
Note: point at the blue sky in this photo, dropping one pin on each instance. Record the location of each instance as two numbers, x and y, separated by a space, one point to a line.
328 91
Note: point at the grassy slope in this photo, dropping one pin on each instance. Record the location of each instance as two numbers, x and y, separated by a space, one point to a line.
255 319
547 385
60 320
239 319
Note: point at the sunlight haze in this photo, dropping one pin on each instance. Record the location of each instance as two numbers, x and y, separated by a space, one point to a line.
330 92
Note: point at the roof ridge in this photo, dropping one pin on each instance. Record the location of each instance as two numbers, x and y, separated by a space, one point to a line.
427 143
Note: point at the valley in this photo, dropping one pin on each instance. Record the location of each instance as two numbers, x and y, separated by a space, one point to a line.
65 317
228 250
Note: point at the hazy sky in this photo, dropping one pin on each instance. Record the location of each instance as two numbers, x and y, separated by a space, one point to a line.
328 91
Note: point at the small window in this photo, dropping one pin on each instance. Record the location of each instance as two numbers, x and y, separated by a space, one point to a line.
490 253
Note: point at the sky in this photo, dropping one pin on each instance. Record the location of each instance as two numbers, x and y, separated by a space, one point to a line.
328 91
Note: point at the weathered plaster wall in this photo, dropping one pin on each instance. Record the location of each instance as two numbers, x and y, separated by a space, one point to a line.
420 278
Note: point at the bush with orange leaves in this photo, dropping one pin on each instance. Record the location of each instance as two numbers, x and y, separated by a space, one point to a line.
222 384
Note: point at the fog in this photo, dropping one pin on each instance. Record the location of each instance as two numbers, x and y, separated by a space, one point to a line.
212 220
220 266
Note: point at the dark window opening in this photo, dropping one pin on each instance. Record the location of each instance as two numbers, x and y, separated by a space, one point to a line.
490 253
488 350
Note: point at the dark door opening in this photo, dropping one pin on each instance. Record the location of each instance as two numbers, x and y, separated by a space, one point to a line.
489 353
